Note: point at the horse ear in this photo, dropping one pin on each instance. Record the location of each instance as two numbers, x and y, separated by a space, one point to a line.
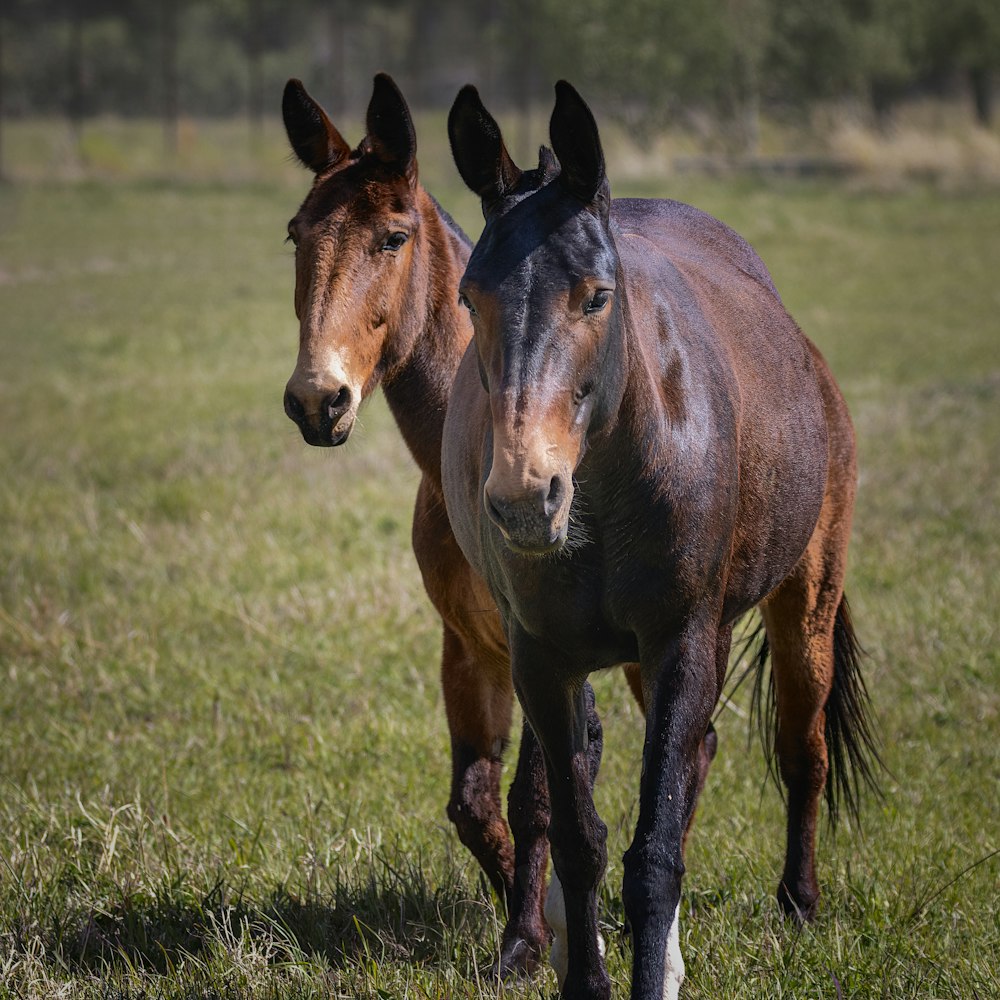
316 142
577 144
390 127
478 148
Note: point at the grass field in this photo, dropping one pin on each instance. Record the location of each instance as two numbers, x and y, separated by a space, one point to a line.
223 752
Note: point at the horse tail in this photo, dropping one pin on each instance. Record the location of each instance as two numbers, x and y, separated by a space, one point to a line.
852 744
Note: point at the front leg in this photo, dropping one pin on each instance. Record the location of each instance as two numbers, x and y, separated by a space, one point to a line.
529 927
554 695
478 702
525 935
681 689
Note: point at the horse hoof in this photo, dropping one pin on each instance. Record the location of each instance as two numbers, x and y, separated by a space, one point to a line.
802 910
518 959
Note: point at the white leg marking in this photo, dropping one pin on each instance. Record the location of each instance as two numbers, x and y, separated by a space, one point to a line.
673 964
555 916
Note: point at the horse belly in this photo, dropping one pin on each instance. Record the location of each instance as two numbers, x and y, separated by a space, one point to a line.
783 473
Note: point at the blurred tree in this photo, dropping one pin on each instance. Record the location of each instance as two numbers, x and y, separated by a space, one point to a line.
340 24
644 61
813 50
426 20
76 106
527 23
262 26
873 49
748 29
81 59
964 36
170 108
650 61
3 73
891 35
485 29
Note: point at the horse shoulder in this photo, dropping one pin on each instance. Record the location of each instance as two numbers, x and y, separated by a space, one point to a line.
699 289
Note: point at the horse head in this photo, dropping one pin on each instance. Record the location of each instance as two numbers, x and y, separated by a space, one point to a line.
542 287
354 239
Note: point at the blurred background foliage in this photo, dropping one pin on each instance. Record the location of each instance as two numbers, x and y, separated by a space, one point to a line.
713 65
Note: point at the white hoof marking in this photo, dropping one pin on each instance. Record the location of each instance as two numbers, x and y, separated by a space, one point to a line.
555 916
673 964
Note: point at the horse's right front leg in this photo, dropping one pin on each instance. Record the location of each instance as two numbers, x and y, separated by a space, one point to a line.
558 704
533 914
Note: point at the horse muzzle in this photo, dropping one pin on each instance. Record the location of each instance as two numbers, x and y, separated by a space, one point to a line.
328 425
532 522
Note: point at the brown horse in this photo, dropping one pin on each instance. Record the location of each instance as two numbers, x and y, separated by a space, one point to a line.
641 447
377 265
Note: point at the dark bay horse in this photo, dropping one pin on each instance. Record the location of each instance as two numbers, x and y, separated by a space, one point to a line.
641 447
377 265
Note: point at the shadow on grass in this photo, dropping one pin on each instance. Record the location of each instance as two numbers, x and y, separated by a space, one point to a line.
382 913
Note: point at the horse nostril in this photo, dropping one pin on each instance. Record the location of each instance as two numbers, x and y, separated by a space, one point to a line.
338 404
293 408
557 490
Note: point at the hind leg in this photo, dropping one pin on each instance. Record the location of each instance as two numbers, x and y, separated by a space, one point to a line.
799 617
478 702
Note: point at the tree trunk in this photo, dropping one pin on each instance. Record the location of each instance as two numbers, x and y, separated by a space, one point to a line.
746 108
75 107
3 25
981 78
255 80
883 102
523 72
169 74
422 37
338 31
487 17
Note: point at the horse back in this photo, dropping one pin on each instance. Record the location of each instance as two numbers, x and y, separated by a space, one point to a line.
692 233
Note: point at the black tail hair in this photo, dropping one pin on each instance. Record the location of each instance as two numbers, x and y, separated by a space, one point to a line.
852 745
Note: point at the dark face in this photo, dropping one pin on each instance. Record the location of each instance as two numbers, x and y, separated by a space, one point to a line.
354 241
541 288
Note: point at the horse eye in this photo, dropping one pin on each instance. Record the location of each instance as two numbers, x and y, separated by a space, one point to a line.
598 302
395 241
582 392
464 300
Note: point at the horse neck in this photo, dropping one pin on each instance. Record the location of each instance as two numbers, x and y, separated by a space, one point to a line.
418 390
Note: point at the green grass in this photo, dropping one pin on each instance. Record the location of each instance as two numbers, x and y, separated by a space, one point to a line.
223 754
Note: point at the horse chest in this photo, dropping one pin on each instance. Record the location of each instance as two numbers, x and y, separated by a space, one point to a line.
596 602
562 601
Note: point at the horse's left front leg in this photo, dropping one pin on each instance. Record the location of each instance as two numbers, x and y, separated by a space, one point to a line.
526 934
558 704
681 689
